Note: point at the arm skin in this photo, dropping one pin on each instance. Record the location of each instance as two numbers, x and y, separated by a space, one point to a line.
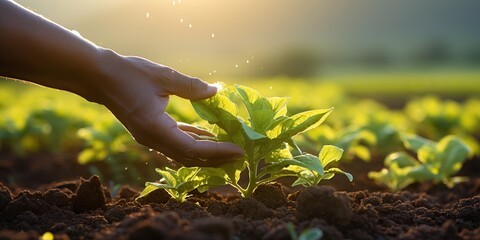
134 89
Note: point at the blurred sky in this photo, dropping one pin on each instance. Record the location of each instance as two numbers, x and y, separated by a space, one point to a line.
218 37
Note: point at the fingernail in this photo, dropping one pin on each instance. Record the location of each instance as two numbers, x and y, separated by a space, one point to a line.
218 86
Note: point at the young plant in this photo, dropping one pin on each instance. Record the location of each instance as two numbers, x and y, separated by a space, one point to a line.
308 177
436 162
178 183
307 234
265 137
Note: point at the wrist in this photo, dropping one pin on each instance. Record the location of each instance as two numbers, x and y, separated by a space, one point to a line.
118 82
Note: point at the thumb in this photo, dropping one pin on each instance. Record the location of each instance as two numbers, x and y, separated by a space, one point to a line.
189 87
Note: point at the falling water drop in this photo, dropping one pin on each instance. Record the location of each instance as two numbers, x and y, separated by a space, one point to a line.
181 20
236 65
271 87
248 61
147 15
213 35
190 25
126 168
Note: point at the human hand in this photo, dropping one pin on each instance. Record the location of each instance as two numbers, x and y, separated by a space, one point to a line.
137 92
134 89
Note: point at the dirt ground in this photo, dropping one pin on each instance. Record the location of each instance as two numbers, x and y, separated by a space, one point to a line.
39 195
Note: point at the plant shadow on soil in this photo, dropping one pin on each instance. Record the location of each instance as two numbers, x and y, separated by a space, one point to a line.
85 209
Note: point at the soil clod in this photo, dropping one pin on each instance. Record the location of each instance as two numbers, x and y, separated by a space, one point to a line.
271 195
323 202
89 195
5 196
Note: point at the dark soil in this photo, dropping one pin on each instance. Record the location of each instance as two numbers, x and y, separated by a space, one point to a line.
86 209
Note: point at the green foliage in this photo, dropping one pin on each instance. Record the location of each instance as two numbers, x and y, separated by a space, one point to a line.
106 141
41 120
436 162
178 183
265 136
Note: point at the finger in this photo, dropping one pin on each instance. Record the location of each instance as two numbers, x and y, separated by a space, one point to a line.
188 87
183 148
189 128
216 153
193 135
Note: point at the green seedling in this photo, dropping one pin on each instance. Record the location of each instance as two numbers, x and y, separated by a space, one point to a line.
178 183
436 162
307 234
266 136
311 177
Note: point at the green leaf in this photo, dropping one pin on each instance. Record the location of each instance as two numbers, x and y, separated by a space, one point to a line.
330 153
311 234
305 178
278 154
261 110
420 173
298 123
148 189
251 134
414 142
168 176
279 105
258 107
337 171
307 161
185 173
453 152
400 158
219 110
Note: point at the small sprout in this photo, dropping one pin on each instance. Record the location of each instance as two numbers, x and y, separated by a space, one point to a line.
307 234
178 183
436 162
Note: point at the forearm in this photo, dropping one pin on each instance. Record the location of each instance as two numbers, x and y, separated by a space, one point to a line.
37 50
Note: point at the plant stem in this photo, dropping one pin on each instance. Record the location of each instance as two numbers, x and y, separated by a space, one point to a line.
252 179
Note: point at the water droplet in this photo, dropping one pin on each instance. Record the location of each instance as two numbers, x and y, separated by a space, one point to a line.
147 15
181 20
126 168
210 74
248 61
146 163
76 33
173 3
214 71
236 65
213 35
271 87
190 25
